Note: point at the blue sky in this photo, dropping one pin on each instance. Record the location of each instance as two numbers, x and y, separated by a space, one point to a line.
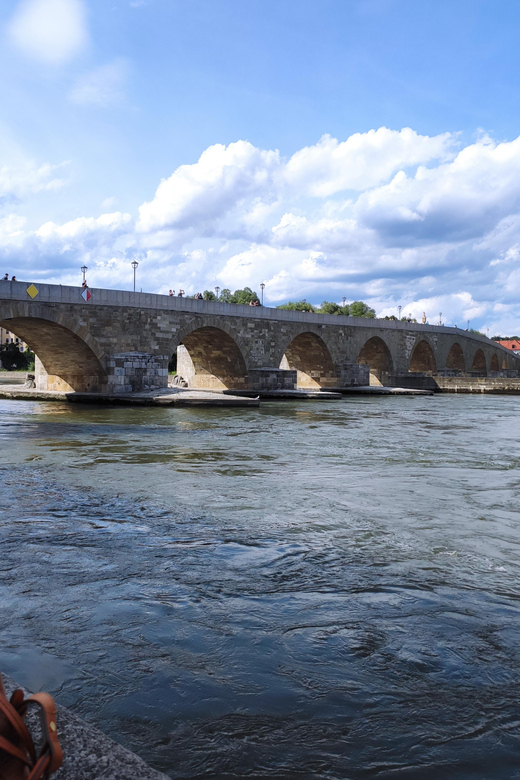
360 148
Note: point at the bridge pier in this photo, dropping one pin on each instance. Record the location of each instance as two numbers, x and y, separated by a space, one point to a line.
262 379
352 374
135 372
127 372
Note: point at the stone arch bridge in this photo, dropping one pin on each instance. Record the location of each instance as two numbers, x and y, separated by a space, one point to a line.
118 342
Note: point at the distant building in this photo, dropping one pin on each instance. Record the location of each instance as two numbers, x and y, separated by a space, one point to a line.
511 344
6 337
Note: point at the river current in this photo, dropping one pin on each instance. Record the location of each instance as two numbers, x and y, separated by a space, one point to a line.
305 590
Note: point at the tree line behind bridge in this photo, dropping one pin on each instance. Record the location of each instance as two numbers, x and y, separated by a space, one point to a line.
247 296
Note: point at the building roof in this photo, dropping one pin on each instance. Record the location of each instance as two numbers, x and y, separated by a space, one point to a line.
512 344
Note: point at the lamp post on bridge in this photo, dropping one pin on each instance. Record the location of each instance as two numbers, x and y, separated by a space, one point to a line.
84 270
440 318
134 266
262 286
399 310
217 290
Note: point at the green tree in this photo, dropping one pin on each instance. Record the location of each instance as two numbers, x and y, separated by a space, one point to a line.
296 306
14 360
208 295
328 307
361 309
244 296
225 296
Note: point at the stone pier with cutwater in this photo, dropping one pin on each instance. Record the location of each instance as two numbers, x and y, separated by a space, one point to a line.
117 342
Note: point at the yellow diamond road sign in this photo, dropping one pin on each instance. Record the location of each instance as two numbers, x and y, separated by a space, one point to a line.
32 291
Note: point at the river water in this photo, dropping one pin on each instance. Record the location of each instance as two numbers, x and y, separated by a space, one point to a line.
305 590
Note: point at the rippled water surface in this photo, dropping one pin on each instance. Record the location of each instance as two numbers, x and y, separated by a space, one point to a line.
305 590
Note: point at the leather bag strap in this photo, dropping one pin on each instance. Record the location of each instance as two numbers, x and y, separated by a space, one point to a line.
41 769
50 746
18 725
8 747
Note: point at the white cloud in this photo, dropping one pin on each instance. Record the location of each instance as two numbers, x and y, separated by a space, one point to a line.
52 31
84 226
455 308
362 218
363 160
108 203
102 87
459 200
12 230
198 195
26 178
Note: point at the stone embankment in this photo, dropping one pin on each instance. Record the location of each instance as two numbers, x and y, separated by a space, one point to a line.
171 397
485 384
88 754
189 397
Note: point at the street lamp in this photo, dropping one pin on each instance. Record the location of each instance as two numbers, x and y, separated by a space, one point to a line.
468 321
134 266
217 290
344 301
440 318
399 310
262 286
84 270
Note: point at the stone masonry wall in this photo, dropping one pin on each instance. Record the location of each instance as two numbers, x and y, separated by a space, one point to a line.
133 372
123 341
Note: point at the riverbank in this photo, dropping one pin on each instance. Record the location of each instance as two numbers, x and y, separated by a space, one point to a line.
88 754
499 385
178 396
168 397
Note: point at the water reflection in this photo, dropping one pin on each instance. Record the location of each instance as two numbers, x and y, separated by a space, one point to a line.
294 591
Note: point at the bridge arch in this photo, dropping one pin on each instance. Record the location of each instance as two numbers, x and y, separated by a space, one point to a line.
308 354
376 354
209 358
479 362
455 360
494 365
68 358
422 360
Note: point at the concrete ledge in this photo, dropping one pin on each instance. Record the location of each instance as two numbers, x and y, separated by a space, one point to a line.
293 395
89 754
164 397
13 377
380 390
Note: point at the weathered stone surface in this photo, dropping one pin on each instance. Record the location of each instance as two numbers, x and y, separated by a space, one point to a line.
470 384
90 755
121 342
272 379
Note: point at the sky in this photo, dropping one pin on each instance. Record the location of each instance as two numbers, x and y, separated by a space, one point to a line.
358 149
